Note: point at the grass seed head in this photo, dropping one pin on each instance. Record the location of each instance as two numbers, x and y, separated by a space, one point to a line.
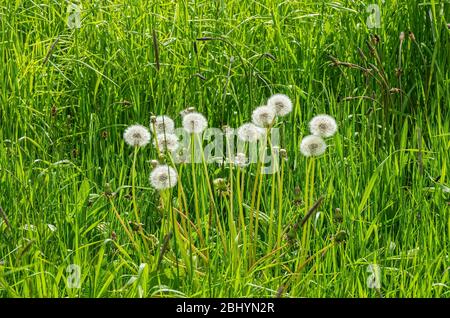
340 237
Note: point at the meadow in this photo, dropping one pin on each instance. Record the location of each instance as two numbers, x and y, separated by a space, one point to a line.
80 215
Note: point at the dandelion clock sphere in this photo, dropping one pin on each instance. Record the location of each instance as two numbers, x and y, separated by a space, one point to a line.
240 159
313 146
263 116
323 126
281 104
137 136
249 132
163 177
194 123
164 124
166 142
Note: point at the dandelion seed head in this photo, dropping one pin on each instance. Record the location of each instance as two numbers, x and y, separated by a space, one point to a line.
166 142
281 104
103 227
250 132
312 146
136 136
163 177
194 123
241 159
181 155
323 126
228 132
263 116
186 111
164 124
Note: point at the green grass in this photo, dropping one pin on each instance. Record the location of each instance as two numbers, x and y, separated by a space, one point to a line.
66 97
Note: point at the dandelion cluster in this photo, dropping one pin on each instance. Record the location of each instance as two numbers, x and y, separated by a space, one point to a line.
321 126
263 118
277 105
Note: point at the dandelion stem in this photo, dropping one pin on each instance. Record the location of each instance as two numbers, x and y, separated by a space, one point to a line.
133 184
194 184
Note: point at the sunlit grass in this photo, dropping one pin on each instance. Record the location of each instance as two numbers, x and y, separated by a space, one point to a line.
73 192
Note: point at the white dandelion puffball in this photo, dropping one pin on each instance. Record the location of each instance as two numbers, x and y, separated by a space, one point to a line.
249 132
312 146
164 124
281 104
166 142
240 159
194 123
136 136
323 126
163 177
228 132
263 116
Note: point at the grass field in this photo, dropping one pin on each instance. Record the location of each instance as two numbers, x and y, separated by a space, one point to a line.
79 217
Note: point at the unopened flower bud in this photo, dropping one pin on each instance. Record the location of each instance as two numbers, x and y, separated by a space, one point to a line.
154 163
